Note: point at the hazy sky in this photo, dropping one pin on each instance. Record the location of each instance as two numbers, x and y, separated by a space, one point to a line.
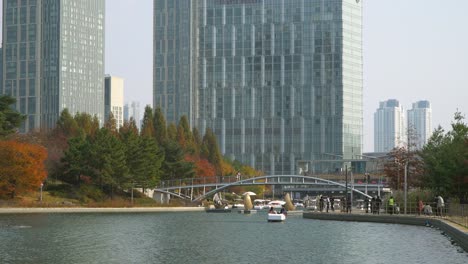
413 50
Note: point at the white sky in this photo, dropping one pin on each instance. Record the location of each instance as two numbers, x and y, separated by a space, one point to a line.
413 50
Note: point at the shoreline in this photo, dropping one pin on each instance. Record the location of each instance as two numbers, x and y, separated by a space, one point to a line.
48 210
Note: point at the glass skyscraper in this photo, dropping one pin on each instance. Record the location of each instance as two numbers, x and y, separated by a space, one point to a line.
278 81
54 58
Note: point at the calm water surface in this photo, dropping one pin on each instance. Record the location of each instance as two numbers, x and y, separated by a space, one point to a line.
215 238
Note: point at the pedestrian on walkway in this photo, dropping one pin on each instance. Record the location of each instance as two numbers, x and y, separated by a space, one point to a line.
391 205
440 205
332 203
378 203
420 206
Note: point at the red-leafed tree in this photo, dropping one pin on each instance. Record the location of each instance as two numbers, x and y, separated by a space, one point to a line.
22 167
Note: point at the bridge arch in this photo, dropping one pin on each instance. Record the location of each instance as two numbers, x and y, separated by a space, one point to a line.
251 181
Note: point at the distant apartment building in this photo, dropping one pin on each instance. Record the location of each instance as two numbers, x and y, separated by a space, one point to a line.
278 82
114 99
420 123
389 126
132 110
53 58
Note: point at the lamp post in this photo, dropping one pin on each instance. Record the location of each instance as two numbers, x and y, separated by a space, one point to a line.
406 184
40 199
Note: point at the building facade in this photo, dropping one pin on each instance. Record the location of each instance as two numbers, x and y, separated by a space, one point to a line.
277 81
114 99
173 52
420 123
132 110
389 126
54 58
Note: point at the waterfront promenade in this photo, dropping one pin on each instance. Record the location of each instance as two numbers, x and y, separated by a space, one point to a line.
457 232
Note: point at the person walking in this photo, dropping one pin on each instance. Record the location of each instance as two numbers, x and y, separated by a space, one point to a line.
391 204
366 204
327 201
420 206
378 203
440 205
332 203
373 205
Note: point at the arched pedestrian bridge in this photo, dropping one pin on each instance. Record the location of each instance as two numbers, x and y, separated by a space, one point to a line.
197 189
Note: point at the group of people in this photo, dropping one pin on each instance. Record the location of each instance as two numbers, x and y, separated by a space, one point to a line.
427 209
375 204
282 211
326 203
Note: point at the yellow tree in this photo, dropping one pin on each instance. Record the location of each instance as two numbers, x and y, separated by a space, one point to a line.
22 167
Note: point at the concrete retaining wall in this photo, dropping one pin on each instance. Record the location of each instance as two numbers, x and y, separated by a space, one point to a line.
100 210
458 233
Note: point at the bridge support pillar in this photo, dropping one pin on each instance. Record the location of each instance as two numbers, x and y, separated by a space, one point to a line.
163 198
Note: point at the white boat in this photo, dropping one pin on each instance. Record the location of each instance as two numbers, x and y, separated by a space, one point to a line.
276 217
276 204
259 204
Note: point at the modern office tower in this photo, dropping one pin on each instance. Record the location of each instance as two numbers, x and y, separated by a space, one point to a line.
114 99
54 58
420 123
279 82
172 58
389 129
133 110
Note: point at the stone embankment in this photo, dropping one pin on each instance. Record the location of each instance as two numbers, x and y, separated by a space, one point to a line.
458 233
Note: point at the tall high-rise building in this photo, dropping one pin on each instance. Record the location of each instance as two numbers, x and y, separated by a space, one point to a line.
389 126
420 123
132 110
173 52
54 58
114 99
277 81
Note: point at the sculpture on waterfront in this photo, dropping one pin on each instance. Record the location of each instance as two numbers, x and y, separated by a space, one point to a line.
289 205
248 202
218 201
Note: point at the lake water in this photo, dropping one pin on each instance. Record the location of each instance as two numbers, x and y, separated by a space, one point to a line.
199 237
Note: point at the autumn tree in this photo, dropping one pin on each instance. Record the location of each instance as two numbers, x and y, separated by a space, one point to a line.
22 168
111 124
394 168
210 150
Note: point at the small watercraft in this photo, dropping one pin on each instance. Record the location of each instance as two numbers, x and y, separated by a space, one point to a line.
276 217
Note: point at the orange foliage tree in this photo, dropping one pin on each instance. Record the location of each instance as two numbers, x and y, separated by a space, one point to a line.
203 168
22 167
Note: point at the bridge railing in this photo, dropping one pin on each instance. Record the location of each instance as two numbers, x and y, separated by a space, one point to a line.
199 181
